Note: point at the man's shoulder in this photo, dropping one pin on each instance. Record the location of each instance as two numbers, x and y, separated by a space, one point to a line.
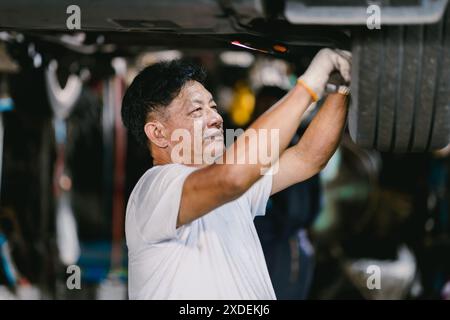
166 169
161 175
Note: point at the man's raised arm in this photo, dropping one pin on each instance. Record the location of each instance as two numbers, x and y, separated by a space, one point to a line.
210 187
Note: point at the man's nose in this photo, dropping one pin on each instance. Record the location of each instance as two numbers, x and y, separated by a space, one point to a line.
214 119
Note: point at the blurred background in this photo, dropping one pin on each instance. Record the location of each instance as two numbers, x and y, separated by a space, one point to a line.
68 167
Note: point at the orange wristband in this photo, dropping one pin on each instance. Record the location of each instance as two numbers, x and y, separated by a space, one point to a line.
310 91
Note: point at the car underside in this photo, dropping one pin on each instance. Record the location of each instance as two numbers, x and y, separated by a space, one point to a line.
401 70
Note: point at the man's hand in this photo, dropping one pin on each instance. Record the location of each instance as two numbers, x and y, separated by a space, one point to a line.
324 63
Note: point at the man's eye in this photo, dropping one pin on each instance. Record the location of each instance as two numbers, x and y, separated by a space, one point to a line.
196 110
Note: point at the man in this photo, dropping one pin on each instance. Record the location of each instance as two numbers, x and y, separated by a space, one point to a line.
189 224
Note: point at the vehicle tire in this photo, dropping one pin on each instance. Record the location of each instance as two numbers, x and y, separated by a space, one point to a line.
401 96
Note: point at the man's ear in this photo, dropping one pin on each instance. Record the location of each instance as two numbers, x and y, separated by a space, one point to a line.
156 133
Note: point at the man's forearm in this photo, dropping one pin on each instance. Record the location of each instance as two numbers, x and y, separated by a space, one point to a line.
285 117
321 138
286 114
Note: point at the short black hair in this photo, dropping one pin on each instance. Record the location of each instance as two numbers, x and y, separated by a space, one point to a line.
154 88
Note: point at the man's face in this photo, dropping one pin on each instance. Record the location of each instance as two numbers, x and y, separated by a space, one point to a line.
194 112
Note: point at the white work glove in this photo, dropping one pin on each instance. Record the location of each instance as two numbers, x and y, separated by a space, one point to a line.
324 63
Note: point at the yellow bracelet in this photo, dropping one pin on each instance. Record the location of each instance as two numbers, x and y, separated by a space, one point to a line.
310 91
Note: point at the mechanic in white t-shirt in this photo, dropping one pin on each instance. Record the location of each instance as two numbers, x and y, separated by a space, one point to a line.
189 220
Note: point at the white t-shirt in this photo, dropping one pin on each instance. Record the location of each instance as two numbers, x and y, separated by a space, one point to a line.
217 256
